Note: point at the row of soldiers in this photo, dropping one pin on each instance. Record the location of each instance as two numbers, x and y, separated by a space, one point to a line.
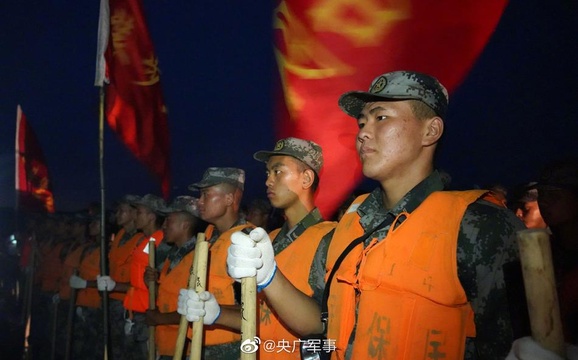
410 271
67 316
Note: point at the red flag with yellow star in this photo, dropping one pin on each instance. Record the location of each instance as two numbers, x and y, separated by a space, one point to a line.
33 192
135 108
327 47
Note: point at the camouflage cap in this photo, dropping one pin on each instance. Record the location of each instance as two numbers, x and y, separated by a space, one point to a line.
153 202
183 203
304 150
128 199
560 174
217 175
398 85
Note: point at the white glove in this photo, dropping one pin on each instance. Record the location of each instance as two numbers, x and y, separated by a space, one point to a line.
105 283
527 348
77 282
55 298
194 306
252 255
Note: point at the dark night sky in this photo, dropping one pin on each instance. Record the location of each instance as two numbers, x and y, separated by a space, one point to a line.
515 110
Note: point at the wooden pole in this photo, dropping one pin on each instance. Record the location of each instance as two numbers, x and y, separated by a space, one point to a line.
249 303
197 281
103 239
540 285
248 314
200 286
152 298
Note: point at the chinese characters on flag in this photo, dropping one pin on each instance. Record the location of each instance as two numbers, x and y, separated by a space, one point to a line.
135 109
33 193
327 47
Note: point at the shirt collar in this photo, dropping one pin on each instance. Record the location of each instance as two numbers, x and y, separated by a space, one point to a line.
372 209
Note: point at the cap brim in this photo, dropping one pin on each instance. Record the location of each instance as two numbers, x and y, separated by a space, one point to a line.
352 102
198 186
264 156
204 184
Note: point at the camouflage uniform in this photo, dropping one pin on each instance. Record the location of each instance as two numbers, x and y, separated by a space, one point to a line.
213 176
88 340
137 334
486 242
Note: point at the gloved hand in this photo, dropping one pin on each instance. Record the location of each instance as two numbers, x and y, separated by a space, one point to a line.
55 298
527 348
194 305
105 283
252 255
77 282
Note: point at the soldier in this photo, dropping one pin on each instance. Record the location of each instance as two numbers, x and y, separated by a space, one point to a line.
70 256
292 179
118 283
221 194
180 226
88 341
424 263
149 220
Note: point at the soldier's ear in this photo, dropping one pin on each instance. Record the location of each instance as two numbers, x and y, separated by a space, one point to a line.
308 178
433 131
229 197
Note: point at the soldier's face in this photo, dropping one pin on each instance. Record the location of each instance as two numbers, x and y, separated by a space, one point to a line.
389 139
213 203
173 227
125 214
284 180
143 217
529 213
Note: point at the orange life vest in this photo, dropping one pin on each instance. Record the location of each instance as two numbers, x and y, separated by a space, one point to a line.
52 269
220 284
410 303
88 270
119 258
137 297
71 263
168 295
295 263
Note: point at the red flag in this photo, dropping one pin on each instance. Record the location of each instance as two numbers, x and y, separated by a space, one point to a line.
33 193
135 109
328 47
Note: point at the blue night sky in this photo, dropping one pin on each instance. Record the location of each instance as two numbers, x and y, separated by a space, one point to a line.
515 110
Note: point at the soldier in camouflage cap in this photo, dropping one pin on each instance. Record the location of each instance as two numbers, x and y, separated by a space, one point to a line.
292 178
306 151
149 220
407 220
219 175
398 85
179 228
219 203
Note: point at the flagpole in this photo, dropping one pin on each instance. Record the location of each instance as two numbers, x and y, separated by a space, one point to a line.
103 242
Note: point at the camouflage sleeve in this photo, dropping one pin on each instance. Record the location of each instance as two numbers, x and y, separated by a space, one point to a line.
318 268
486 243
